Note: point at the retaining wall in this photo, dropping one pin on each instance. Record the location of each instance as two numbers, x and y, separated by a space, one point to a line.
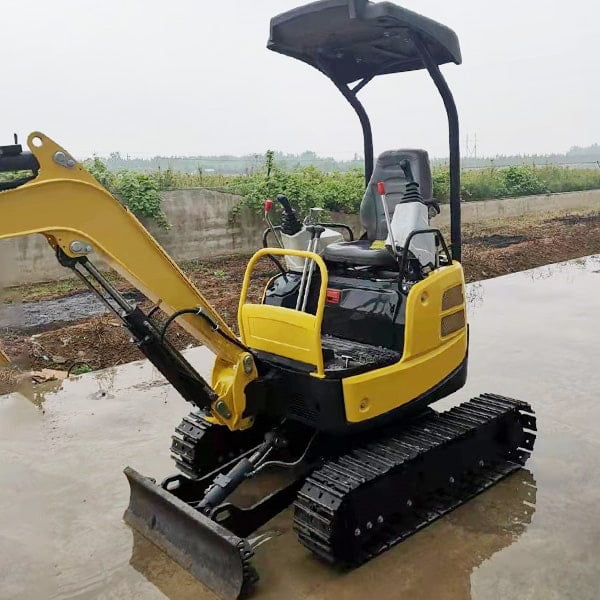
201 228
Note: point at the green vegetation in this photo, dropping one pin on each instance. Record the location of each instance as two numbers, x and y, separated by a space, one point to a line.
80 369
333 190
138 191
305 187
482 184
342 191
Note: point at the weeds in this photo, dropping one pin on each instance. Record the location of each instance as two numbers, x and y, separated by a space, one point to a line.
138 191
80 369
334 191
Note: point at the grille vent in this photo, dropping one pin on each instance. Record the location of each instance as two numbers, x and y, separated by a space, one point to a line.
453 322
452 297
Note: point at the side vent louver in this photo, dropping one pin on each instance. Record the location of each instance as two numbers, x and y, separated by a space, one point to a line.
452 297
452 323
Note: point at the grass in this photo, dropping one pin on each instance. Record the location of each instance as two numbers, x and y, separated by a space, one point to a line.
34 292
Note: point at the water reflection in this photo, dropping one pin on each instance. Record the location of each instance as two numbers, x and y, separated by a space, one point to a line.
569 270
172 580
35 388
465 538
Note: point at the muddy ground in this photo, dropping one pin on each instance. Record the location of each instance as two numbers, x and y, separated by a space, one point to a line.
490 249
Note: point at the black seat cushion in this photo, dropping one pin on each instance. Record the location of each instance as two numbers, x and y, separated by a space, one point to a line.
359 253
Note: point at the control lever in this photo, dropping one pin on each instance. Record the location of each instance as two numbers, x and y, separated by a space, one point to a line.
407 168
311 230
316 232
290 224
268 207
388 221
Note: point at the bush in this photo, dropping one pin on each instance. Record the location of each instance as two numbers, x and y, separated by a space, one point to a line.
141 194
492 182
138 191
334 191
306 187
522 181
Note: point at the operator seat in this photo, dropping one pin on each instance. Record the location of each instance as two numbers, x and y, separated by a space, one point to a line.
389 168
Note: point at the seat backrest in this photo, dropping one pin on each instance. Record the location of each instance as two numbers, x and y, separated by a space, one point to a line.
389 169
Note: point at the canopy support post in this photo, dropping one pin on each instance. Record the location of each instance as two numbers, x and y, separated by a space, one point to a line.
454 142
350 95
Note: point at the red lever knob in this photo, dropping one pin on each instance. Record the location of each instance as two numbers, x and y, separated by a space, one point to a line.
268 205
381 188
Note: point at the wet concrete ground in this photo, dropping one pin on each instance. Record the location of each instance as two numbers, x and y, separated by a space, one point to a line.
534 335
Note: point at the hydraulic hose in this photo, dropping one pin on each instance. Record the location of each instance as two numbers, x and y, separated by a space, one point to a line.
199 313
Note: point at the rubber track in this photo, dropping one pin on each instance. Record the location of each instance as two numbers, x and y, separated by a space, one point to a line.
360 504
186 441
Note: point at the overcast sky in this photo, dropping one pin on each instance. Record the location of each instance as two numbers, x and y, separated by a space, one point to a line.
183 77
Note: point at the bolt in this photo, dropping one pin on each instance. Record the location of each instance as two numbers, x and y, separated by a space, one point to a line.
380 519
78 247
409 503
63 159
223 409
248 364
357 532
451 480
369 525
481 463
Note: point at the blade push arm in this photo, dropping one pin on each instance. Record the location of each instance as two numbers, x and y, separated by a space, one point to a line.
77 216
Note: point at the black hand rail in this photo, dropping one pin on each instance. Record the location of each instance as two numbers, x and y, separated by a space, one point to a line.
405 250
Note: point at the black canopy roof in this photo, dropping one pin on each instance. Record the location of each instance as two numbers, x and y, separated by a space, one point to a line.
349 40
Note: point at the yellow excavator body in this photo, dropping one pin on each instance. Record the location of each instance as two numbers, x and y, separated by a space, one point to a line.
435 338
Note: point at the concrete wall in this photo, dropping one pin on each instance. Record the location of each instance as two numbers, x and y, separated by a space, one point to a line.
201 228
525 205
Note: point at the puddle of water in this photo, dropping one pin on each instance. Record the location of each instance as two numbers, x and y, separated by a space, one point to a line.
534 335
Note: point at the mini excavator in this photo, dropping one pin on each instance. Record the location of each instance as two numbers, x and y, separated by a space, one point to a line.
331 379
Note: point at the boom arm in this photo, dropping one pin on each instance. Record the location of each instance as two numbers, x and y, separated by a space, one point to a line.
77 215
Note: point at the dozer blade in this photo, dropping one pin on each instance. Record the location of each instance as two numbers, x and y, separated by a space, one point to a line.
215 556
